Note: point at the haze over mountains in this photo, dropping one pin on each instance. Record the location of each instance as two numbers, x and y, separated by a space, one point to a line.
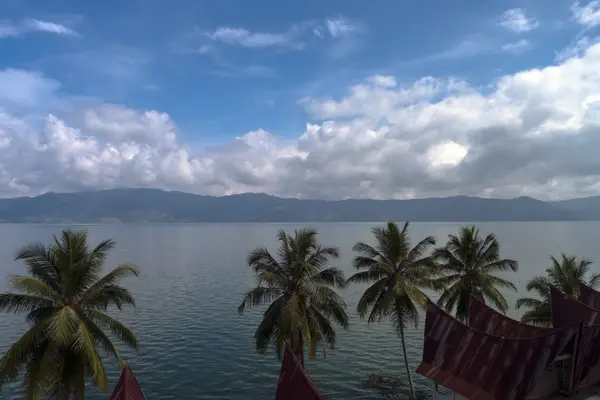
153 205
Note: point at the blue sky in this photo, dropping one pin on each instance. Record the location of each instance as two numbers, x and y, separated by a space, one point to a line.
229 96
160 55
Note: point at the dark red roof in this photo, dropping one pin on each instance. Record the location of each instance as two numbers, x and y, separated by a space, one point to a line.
127 387
485 319
294 382
481 366
568 311
589 296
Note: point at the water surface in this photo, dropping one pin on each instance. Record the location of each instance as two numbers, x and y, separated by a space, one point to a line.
195 345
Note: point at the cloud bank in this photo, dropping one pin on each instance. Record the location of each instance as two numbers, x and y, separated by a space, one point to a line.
532 133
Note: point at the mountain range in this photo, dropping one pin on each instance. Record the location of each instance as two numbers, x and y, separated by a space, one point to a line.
154 205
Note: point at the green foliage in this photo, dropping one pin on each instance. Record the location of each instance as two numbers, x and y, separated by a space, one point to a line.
468 263
397 273
298 286
566 275
64 298
390 387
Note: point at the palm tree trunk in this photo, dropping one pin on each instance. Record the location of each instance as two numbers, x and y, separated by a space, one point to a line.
408 374
298 350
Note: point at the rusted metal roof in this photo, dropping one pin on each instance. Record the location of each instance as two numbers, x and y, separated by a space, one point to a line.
127 387
568 311
294 382
481 366
485 319
589 296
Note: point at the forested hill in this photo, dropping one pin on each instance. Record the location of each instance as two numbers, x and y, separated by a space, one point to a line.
153 205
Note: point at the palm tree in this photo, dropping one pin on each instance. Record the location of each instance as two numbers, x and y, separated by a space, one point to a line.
397 272
298 283
468 262
64 297
566 275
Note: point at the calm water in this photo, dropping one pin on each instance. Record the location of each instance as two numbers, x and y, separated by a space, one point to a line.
193 342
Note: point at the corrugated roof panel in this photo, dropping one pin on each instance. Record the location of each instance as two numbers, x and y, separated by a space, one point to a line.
568 311
127 387
485 319
481 366
589 296
294 382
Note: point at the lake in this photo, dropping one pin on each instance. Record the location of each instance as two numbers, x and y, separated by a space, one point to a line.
195 345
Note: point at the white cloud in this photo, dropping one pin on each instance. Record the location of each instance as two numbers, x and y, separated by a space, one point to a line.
295 37
384 139
245 38
517 47
15 29
576 49
342 26
515 20
588 15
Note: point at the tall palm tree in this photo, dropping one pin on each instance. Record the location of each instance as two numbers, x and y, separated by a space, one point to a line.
298 283
565 274
468 262
397 272
64 298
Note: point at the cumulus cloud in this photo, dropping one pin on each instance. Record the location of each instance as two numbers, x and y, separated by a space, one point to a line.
533 133
588 15
516 20
15 29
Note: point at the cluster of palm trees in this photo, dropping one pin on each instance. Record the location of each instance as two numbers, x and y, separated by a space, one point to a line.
65 300
298 284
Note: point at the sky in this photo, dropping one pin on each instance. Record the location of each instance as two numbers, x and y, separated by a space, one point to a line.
316 99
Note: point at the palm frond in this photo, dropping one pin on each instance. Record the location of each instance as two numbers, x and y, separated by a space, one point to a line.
106 296
17 355
331 276
41 264
110 279
120 331
101 338
20 303
528 302
63 325
370 296
268 329
259 295
84 344
493 295
500 266
33 287
366 276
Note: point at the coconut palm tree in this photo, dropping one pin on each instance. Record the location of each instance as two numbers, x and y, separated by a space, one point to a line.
565 274
397 273
64 298
469 262
298 286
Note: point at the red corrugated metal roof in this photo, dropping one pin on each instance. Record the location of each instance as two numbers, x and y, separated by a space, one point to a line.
568 311
485 319
127 387
294 382
480 366
589 296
